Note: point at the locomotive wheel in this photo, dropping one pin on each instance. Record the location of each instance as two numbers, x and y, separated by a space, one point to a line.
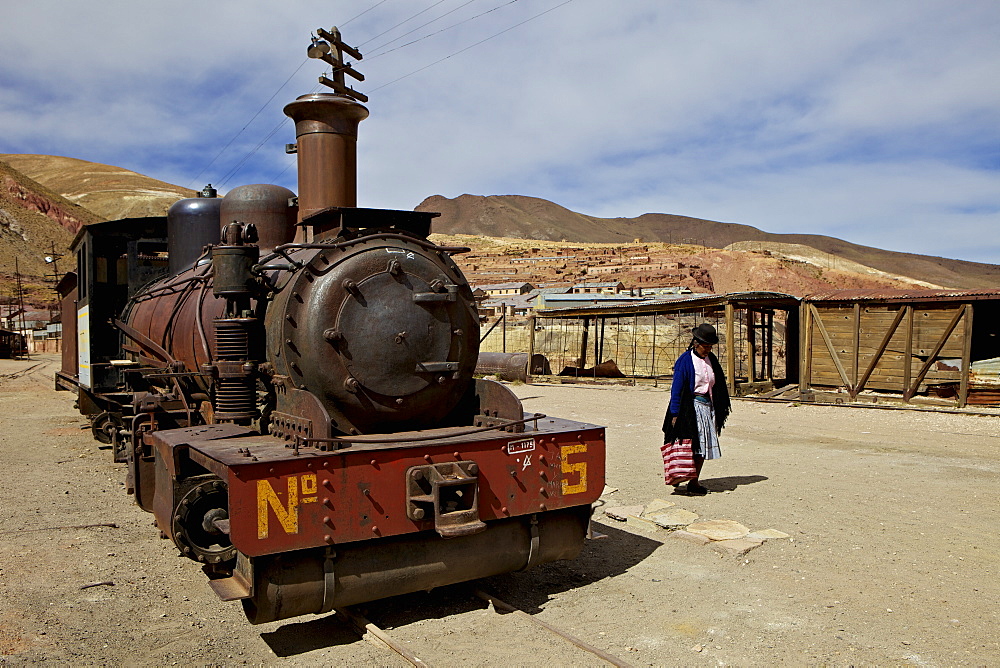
195 532
105 426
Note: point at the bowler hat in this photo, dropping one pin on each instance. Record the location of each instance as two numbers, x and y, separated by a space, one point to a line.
705 333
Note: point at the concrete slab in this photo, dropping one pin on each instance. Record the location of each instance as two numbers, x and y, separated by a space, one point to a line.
719 529
695 538
673 518
657 505
767 534
736 547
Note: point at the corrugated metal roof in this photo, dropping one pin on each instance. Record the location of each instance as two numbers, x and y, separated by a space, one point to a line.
674 303
902 295
501 286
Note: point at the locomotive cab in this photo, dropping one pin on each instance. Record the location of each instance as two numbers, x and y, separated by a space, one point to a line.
115 259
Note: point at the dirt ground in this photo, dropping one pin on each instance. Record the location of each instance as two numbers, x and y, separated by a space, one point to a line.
892 557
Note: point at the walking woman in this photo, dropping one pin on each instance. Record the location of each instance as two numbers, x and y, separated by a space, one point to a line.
699 406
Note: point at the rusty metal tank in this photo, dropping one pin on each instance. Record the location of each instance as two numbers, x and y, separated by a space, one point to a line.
512 367
173 319
192 224
270 208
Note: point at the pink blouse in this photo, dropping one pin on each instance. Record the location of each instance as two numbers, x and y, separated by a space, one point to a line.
704 376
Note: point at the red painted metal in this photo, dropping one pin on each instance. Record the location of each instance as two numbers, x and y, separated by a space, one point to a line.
359 493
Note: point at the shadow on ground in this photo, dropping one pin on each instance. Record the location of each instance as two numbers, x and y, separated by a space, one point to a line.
528 590
727 484
730 483
299 637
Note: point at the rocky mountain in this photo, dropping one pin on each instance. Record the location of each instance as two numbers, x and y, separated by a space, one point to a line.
108 191
34 223
45 199
533 218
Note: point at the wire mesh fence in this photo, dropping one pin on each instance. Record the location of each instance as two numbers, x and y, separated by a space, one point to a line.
646 345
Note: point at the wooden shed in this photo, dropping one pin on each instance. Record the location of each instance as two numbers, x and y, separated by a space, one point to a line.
915 342
758 334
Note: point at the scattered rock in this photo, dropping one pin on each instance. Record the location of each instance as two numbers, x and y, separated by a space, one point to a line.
673 518
736 547
719 529
609 490
622 513
696 538
767 534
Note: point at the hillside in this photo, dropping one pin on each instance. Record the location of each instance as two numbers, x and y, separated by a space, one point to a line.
34 220
43 198
533 218
647 265
110 192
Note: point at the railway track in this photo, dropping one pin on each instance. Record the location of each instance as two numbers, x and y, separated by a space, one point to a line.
378 636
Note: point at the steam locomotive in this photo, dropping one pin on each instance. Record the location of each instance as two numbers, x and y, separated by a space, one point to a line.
289 381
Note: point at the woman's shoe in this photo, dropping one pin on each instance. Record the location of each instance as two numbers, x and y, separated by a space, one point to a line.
694 488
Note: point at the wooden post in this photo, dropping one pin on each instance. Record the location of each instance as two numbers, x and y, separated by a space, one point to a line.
583 345
752 345
804 352
769 347
857 344
730 349
503 307
963 388
908 369
531 346
652 370
635 334
599 340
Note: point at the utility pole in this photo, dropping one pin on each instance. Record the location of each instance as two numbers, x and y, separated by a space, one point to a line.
331 49
53 259
20 300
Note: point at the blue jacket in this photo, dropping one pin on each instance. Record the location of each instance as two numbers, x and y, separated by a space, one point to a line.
682 399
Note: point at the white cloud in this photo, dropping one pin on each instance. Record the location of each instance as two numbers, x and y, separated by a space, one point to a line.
870 121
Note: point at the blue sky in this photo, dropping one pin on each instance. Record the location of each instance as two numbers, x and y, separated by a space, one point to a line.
876 122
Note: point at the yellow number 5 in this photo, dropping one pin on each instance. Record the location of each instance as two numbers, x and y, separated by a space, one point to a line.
579 467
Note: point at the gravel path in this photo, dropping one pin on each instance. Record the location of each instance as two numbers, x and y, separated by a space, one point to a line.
891 557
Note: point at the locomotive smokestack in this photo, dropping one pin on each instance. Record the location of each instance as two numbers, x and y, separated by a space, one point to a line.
326 132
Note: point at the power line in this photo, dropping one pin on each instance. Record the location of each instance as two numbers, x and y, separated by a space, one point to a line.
236 170
402 22
236 136
363 13
275 94
238 167
437 32
517 25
